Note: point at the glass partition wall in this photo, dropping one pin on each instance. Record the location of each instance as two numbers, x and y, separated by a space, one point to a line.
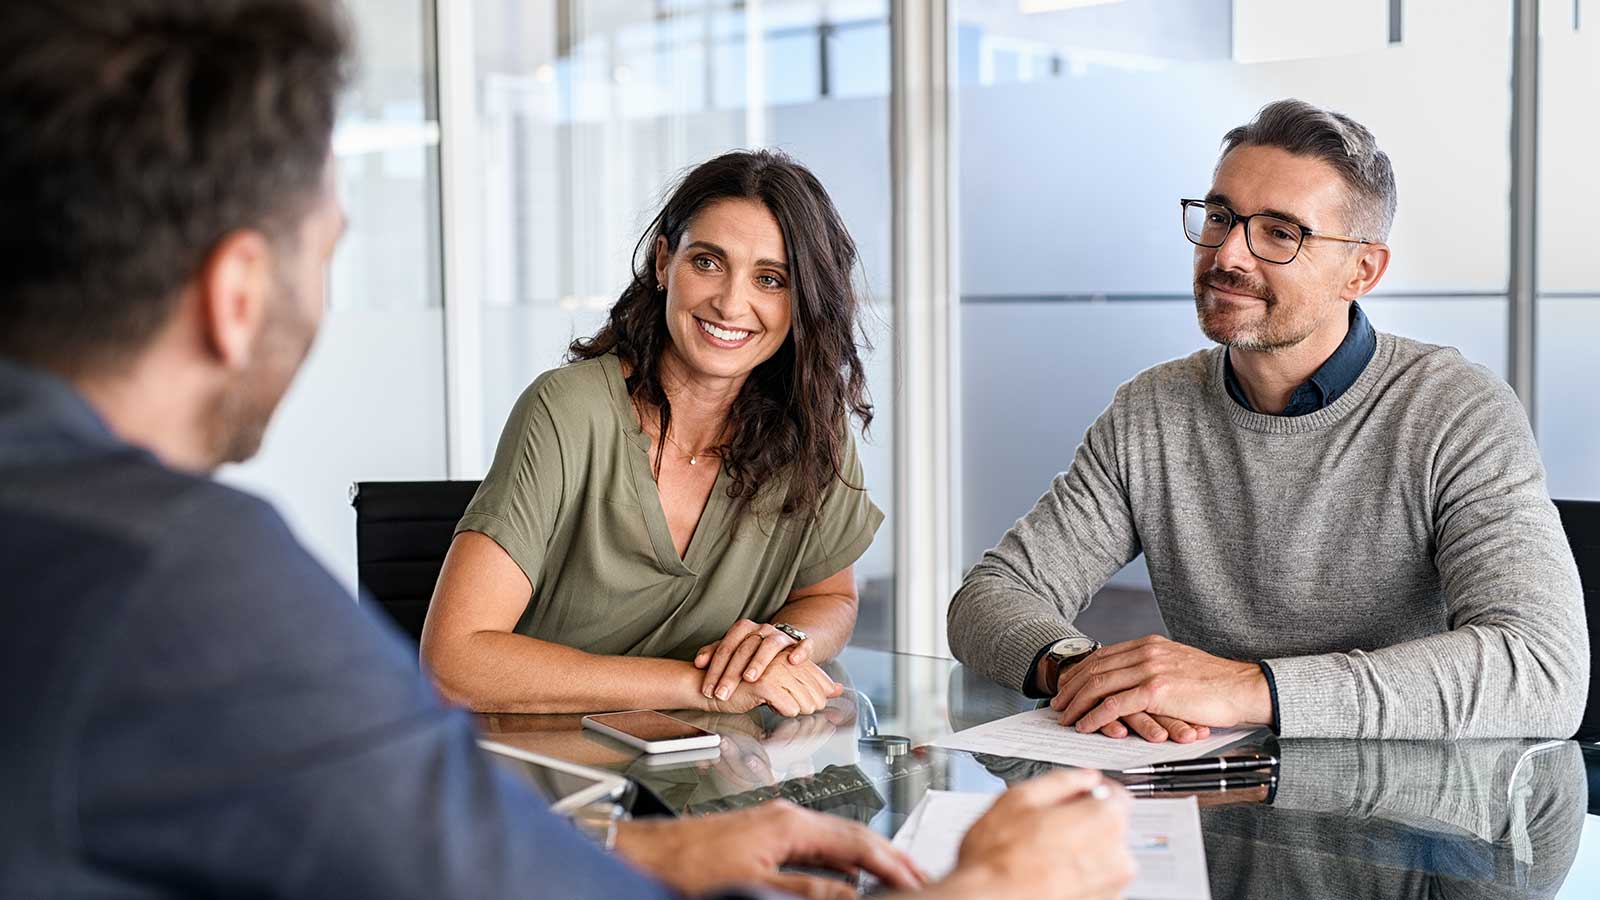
499 158
1567 330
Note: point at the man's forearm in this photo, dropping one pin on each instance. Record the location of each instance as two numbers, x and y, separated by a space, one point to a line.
999 628
1473 682
1024 593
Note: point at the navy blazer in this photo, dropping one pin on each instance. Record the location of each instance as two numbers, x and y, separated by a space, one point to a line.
193 706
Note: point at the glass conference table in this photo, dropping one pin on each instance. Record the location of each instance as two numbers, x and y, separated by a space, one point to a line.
1348 819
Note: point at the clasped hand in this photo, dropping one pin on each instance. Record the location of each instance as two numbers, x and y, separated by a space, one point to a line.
1160 688
745 670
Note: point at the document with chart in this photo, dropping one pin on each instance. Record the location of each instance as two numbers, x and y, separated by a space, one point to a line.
1163 835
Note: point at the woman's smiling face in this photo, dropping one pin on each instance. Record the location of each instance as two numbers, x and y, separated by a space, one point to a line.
727 285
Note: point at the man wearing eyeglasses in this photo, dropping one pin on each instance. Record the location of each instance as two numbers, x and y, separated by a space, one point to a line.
1348 532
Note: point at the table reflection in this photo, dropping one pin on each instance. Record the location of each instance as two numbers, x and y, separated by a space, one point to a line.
1345 819
1406 819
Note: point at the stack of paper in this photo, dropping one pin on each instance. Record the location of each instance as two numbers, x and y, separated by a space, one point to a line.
1164 837
1038 734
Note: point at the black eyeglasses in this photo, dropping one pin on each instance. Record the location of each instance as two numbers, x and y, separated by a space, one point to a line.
1271 239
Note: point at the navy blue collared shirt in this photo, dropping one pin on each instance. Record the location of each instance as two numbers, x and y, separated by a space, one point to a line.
1330 381
194 707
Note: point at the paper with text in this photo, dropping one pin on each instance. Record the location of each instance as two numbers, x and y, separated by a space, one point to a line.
1038 734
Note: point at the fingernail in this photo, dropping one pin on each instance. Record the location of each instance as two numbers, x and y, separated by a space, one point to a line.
1100 792
750 675
722 693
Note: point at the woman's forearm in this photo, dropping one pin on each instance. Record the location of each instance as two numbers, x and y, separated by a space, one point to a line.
496 671
827 619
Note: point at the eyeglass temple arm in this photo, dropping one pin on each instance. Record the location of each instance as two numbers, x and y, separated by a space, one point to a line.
1336 237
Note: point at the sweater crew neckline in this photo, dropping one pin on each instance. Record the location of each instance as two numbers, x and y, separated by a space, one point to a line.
1250 420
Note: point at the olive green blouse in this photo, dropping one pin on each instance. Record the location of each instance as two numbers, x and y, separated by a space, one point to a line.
571 498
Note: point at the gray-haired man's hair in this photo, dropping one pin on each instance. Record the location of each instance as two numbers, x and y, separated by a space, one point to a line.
1338 140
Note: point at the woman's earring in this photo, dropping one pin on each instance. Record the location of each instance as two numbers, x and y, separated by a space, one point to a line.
661 288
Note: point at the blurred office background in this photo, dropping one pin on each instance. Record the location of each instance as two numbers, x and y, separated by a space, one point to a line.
499 158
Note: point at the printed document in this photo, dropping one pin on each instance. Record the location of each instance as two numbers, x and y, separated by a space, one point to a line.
1038 734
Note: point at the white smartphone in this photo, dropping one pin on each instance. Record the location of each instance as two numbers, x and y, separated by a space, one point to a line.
651 731
657 762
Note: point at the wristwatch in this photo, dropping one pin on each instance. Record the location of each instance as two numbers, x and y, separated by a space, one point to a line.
794 633
1065 652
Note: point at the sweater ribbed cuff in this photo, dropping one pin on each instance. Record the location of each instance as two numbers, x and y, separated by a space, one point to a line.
1018 648
1272 691
1316 696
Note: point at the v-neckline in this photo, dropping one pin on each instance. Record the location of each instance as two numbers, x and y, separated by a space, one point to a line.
713 518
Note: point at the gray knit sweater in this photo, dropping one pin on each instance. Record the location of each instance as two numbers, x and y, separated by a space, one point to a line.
1394 558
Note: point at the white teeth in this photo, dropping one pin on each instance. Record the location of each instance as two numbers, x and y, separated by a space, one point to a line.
723 333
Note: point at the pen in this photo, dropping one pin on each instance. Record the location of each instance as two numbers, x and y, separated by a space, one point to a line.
1207 764
1233 783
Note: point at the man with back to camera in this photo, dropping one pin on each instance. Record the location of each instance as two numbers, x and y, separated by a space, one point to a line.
194 707
1348 532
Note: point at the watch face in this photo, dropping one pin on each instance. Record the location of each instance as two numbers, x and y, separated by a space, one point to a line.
1066 648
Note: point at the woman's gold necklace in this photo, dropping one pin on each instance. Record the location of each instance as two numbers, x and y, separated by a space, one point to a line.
694 458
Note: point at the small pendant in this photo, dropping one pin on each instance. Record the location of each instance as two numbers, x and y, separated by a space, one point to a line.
694 460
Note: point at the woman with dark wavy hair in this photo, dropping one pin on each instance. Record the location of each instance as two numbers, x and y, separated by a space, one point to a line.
673 517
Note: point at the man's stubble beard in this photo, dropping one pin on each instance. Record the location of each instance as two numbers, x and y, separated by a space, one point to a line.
240 414
1265 334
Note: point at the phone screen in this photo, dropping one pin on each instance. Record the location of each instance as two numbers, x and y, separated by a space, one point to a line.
649 726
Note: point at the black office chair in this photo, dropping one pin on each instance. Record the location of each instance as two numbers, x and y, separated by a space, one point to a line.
403 530
1581 519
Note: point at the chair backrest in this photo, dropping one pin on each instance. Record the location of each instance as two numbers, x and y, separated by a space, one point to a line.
403 530
1581 519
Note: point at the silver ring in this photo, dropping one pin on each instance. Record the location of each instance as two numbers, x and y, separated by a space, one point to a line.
792 632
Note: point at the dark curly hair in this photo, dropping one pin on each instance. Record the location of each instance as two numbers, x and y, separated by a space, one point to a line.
790 419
